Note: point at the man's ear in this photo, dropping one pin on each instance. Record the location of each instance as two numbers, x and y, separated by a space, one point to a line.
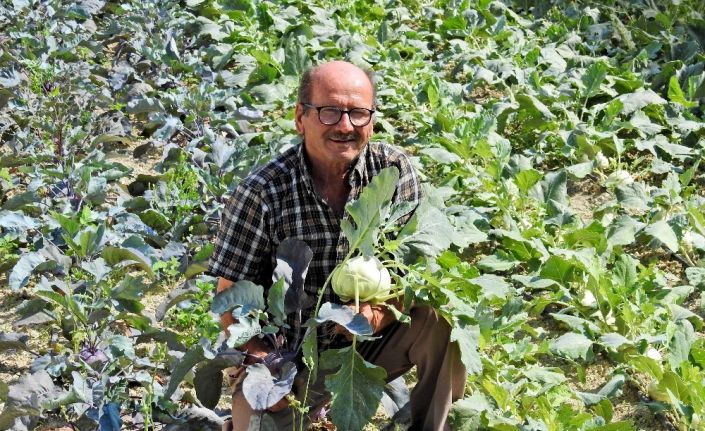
299 118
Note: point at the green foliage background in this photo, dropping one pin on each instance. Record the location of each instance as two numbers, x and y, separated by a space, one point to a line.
562 140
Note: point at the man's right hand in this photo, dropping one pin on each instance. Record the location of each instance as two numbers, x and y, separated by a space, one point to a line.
256 349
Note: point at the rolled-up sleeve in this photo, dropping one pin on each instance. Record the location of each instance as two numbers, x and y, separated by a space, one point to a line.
242 247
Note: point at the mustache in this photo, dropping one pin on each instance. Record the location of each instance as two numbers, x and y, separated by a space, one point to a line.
344 136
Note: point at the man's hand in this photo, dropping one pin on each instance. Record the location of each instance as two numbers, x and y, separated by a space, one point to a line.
379 317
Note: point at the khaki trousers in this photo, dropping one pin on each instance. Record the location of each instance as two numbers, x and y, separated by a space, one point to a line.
425 343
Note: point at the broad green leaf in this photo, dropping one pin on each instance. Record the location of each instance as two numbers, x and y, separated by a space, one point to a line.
116 255
615 341
427 233
674 383
497 262
156 220
662 233
525 180
492 286
545 375
638 100
262 390
20 274
593 78
296 59
241 332
275 302
535 106
633 196
466 414
195 355
580 170
467 337
345 316
675 94
209 376
680 344
16 223
647 366
622 231
572 345
554 190
696 276
243 294
368 211
559 269
356 388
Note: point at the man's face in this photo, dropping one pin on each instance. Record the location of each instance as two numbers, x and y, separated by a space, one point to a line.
338 145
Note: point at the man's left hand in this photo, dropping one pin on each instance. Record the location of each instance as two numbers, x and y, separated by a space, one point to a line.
379 317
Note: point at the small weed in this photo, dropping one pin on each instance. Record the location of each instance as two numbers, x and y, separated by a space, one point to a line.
193 317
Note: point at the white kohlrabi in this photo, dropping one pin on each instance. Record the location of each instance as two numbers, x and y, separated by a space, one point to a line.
365 276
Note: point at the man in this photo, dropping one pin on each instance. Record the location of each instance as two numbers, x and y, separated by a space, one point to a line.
302 194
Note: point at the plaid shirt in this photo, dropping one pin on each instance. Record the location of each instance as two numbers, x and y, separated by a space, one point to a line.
278 201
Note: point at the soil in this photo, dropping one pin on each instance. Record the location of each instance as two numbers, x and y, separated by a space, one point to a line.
585 196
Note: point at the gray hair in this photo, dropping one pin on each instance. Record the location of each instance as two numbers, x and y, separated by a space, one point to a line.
306 85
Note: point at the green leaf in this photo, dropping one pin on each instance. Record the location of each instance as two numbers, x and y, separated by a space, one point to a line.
467 337
545 375
244 294
296 59
648 366
466 414
156 220
675 94
20 274
208 378
680 344
356 388
615 341
633 196
127 256
572 345
194 356
662 233
554 190
559 269
345 316
674 383
275 302
638 100
262 390
593 78
525 180
427 233
310 349
696 276
581 170
492 286
368 211
497 262
244 330
622 231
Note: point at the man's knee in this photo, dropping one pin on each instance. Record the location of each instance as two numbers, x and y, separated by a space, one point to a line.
428 319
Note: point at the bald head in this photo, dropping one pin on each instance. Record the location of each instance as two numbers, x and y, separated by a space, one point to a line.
333 71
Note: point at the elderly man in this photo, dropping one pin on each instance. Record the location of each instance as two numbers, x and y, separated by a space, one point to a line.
302 194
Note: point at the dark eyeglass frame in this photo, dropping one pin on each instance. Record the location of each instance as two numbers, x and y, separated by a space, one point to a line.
341 112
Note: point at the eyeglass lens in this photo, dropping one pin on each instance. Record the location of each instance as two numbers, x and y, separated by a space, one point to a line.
331 115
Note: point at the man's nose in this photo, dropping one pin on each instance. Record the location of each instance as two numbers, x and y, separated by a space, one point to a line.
345 124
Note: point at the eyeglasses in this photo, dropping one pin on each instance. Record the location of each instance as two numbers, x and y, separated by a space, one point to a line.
330 115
